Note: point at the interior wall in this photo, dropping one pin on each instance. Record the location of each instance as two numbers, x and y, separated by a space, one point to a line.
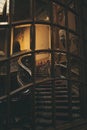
42 37
42 40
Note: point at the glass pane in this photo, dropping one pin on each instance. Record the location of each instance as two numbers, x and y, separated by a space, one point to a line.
71 3
3 63
42 10
43 37
3 77
74 44
21 107
86 74
21 71
85 30
75 86
22 10
64 1
3 113
3 44
59 38
85 1
58 14
71 20
13 73
43 65
21 39
75 68
60 65
4 11
83 72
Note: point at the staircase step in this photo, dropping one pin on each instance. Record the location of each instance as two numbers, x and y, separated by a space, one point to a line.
75 101
44 86
61 107
61 88
76 115
42 93
42 123
61 92
43 89
44 103
58 81
44 97
44 109
61 97
45 115
61 102
58 88
64 110
62 116
75 107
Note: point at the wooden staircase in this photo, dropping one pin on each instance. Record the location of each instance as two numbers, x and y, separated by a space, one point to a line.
61 101
43 105
44 109
51 106
52 102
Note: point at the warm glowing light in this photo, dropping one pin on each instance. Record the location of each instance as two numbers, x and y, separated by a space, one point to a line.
47 18
3 23
2 4
26 25
7 10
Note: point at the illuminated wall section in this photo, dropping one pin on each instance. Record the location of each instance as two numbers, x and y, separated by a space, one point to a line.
25 42
42 40
22 35
2 4
71 21
4 11
42 37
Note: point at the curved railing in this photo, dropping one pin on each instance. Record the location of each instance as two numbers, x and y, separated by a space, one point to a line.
49 90
24 73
